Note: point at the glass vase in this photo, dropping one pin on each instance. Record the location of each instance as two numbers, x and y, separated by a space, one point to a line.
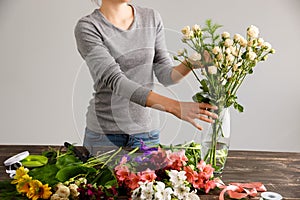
215 142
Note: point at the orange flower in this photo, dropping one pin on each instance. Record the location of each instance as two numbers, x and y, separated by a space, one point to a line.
38 190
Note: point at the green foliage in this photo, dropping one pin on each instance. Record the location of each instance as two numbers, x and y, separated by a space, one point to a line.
45 174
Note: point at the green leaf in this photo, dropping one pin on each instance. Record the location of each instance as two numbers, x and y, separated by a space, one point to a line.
238 107
204 86
68 172
67 160
45 174
200 98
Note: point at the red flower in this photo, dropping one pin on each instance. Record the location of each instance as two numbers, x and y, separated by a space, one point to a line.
191 175
176 160
132 181
122 172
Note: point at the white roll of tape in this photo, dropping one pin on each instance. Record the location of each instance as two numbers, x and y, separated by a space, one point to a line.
271 196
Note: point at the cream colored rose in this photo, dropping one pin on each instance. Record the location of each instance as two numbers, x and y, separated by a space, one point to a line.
212 69
225 35
267 46
220 56
196 28
260 42
186 30
243 42
253 31
195 57
230 58
228 51
235 67
234 51
216 50
228 42
251 55
237 37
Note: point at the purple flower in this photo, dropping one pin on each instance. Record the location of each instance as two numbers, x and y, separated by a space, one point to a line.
146 149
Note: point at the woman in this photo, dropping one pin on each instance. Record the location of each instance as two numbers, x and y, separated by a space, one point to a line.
123 46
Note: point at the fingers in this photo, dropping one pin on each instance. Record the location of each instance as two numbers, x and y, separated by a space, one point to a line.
209 114
195 124
207 106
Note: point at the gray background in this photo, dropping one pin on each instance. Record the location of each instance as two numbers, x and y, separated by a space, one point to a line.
45 86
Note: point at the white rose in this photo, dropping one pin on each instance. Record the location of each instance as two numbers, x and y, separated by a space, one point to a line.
267 45
228 42
250 43
196 28
260 42
180 52
237 37
195 57
225 35
73 190
243 42
216 50
253 31
235 67
186 30
252 55
229 58
234 51
212 69
220 56
228 51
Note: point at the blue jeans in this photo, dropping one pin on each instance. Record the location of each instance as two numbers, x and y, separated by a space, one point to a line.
93 140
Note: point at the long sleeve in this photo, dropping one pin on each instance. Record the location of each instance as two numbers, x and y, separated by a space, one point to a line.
104 70
163 64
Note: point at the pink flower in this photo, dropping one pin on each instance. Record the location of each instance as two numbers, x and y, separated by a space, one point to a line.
198 182
122 172
191 175
176 160
132 181
206 171
209 185
147 175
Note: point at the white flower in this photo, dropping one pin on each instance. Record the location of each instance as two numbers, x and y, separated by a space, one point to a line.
252 55
253 31
234 51
181 191
196 28
225 35
227 50
235 67
177 178
216 50
62 191
162 192
212 69
186 30
228 42
250 43
136 194
195 57
192 196
243 42
147 191
237 37
229 58
220 57
73 190
260 41
187 33
180 52
267 45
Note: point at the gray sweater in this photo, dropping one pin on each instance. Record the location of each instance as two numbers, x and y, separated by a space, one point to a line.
122 64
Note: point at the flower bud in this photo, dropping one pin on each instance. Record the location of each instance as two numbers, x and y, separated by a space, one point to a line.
196 28
237 37
180 52
216 50
243 42
272 51
251 55
225 35
253 31
212 69
260 42
267 46
228 43
264 58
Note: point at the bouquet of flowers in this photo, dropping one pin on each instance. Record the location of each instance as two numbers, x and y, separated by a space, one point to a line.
225 62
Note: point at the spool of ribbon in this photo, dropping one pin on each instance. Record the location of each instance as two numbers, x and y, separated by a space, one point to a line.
270 196
14 163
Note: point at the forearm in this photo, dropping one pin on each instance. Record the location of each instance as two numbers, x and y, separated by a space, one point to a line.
179 72
162 103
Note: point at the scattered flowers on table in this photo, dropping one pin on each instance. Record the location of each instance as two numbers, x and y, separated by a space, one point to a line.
158 173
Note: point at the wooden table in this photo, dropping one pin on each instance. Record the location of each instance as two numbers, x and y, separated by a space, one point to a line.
278 171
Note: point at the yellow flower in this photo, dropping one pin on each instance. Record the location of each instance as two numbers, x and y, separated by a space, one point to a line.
23 184
20 172
38 190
